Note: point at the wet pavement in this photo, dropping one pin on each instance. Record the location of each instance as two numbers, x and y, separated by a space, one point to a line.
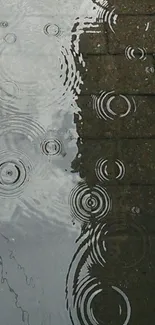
77 171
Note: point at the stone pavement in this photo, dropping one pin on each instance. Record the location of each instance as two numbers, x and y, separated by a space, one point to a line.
116 128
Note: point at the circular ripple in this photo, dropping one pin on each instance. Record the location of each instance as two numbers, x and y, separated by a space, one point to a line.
107 15
52 144
103 105
116 307
52 147
88 205
20 133
52 30
90 295
131 53
101 170
4 24
119 242
10 38
15 169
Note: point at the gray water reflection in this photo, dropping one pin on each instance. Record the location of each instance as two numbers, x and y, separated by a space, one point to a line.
76 162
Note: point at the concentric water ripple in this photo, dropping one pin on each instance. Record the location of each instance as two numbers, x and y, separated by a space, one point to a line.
4 24
124 244
107 15
52 30
88 205
52 144
19 134
101 170
90 302
104 109
89 288
15 170
132 53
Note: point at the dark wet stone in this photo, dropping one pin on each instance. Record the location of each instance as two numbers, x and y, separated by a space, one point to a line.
134 31
94 40
133 7
115 72
138 124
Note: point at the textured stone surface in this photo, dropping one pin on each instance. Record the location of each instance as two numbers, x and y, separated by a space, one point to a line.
115 72
138 124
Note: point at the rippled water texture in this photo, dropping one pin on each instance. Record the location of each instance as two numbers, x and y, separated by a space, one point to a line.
77 159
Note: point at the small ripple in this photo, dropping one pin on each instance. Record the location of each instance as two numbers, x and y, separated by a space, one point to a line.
88 205
132 53
101 170
52 30
103 105
10 38
4 24
52 144
149 69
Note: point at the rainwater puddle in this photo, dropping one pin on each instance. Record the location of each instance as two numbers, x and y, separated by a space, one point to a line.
77 173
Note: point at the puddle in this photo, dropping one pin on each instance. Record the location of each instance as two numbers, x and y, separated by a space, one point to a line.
77 162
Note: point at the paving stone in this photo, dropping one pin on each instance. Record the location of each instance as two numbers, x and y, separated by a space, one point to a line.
115 72
132 33
133 7
94 41
126 198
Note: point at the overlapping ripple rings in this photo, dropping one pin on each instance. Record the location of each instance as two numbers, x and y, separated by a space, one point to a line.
20 153
88 205
103 105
